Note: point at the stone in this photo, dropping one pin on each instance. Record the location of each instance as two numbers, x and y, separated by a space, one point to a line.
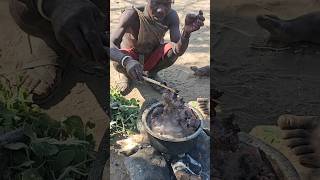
147 164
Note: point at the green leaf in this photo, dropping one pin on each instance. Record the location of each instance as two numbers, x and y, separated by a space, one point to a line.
19 157
8 119
16 146
74 142
90 125
63 159
48 139
69 178
80 154
74 126
112 123
26 164
43 149
29 132
90 139
31 174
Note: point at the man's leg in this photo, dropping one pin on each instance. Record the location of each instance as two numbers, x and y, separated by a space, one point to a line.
169 59
25 14
43 71
124 85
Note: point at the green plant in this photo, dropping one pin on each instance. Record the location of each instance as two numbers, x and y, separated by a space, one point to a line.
124 114
43 148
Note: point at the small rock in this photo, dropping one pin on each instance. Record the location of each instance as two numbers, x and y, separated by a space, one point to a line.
147 164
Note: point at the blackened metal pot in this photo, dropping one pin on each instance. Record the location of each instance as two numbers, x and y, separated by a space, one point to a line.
170 145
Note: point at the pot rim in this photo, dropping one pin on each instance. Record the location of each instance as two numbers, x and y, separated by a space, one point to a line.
283 168
187 138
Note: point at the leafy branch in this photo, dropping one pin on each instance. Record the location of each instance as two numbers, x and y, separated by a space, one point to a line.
124 113
34 146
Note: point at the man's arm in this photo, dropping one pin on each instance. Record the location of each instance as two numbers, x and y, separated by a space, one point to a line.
181 41
75 25
116 37
133 67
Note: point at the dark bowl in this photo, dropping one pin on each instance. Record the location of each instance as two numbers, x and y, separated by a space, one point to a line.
170 145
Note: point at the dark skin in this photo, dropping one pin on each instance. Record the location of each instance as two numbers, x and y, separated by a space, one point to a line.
161 11
74 27
78 26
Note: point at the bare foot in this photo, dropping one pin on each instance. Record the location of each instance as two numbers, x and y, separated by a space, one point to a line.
299 134
276 27
42 73
124 85
203 71
204 105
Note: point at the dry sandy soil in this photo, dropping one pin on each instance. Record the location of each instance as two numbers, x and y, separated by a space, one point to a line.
260 85
79 93
179 75
82 93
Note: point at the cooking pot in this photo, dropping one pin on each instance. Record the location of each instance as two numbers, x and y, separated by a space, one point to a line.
170 145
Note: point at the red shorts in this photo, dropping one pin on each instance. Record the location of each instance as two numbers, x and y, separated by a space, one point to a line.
153 59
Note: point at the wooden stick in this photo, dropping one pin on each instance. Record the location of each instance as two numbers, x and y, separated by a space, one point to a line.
159 84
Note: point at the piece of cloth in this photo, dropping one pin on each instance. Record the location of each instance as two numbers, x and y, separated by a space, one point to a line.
151 33
153 59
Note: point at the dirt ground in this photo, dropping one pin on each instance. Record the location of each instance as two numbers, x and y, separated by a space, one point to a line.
179 75
260 85
80 93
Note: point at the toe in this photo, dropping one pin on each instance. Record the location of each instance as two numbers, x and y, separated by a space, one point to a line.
295 122
295 133
305 149
310 160
194 68
294 142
